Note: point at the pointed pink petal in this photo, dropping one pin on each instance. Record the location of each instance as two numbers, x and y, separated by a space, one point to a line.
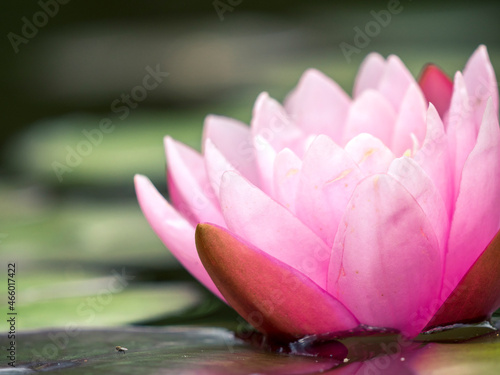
370 113
260 220
434 158
477 295
437 88
326 182
414 179
174 231
233 139
477 215
188 184
369 75
271 122
371 155
287 168
266 155
460 128
395 81
275 298
384 245
481 83
216 164
318 105
410 120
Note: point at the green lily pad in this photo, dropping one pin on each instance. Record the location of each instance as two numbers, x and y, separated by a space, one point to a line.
133 146
105 301
43 234
212 351
479 356
175 350
72 149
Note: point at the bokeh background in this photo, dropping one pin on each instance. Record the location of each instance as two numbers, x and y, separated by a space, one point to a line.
84 253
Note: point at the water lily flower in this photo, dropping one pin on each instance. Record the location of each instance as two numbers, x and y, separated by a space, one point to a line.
331 214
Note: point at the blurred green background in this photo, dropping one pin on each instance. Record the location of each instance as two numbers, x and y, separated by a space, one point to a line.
70 236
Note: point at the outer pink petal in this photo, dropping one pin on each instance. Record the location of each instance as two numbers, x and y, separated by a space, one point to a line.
287 168
233 139
260 220
174 231
188 184
434 158
437 88
271 122
272 296
410 121
385 263
395 81
318 105
460 127
481 83
477 215
326 182
370 113
411 175
369 75
371 155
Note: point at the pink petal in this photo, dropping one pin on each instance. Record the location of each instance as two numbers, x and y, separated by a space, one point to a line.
371 155
477 295
384 247
477 215
174 231
460 127
233 139
287 168
271 122
188 184
437 88
370 113
326 182
216 164
410 120
266 155
481 83
434 158
275 298
318 105
369 75
395 81
257 218
414 179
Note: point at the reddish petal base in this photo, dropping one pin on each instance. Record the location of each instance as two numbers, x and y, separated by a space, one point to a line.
477 295
276 299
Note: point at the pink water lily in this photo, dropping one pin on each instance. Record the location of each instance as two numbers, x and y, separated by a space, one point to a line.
331 214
